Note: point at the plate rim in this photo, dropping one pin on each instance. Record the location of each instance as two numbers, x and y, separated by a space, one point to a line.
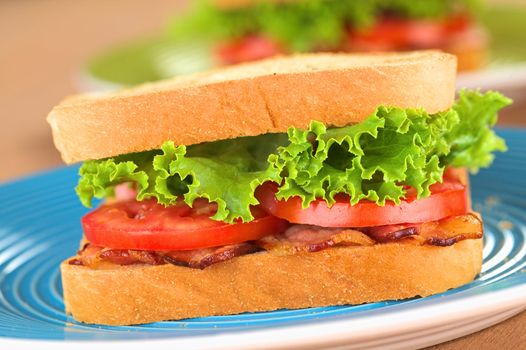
306 335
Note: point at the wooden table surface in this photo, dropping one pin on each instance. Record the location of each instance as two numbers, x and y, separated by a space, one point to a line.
42 46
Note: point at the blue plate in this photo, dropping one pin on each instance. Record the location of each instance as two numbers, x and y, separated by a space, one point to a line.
39 227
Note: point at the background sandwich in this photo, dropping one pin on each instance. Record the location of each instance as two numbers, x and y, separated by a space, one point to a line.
246 30
221 32
293 182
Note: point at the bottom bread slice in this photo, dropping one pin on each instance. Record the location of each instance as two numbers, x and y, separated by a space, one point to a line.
124 295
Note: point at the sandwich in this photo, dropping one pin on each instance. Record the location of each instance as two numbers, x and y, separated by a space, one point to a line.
214 33
246 30
292 182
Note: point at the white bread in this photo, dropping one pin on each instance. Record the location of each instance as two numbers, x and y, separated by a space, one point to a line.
124 295
251 99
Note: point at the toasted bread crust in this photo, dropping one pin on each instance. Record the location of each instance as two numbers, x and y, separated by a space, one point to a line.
251 99
124 295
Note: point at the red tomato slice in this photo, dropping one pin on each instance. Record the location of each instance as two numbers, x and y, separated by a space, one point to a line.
458 23
398 34
250 48
403 34
146 225
447 199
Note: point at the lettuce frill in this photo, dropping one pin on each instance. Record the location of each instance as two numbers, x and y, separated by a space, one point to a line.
374 160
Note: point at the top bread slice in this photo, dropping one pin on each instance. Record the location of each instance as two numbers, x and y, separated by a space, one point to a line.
268 96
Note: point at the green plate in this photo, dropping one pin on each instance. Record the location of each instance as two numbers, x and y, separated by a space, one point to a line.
147 60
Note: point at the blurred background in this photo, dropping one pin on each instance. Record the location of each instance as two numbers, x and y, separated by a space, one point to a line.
53 48
50 49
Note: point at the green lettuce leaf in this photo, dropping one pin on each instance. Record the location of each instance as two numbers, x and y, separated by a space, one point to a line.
372 160
226 172
98 178
472 140
303 25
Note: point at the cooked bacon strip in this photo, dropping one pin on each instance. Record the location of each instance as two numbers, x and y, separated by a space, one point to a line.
391 233
75 261
91 255
88 255
451 230
444 232
296 239
307 238
201 258
131 257
444 242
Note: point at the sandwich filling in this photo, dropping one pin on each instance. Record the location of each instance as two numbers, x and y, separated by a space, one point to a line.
392 178
266 28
